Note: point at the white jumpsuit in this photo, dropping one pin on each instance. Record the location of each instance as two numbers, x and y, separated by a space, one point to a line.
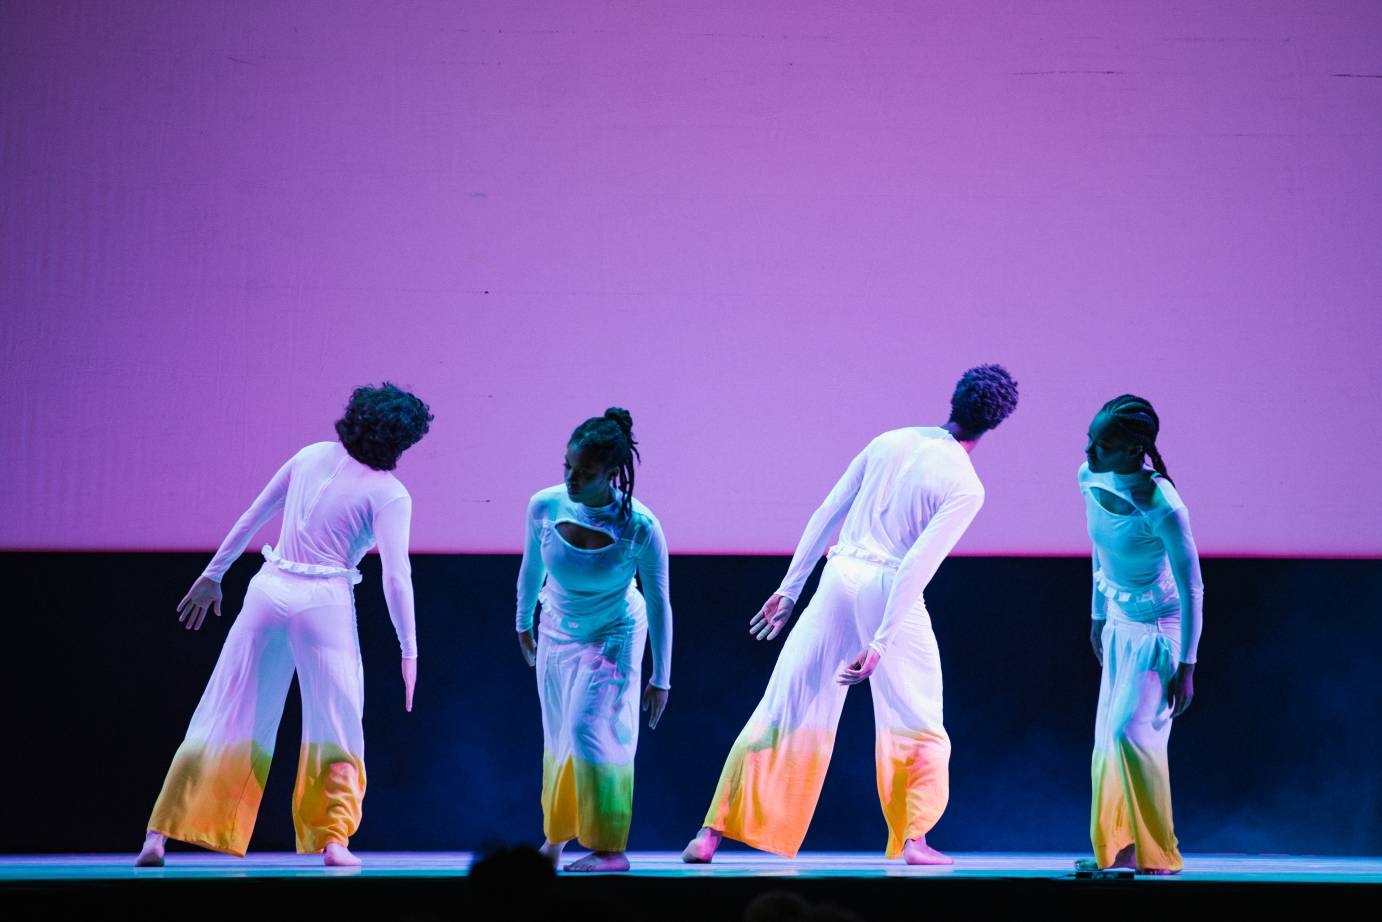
1147 586
904 501
299 613
590 658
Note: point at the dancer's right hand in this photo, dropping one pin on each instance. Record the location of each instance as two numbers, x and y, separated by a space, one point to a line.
772 617
409 682
527 646
204 594
1096 639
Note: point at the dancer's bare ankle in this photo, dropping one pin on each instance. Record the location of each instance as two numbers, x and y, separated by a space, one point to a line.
151 855
339 855
600 861
552 850
916 851
702 848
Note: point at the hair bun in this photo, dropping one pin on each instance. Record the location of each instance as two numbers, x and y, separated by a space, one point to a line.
621 416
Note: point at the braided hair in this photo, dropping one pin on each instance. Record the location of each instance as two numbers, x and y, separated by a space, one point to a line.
611 438
1135 420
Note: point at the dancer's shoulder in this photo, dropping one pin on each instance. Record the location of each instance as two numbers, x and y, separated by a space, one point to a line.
908 438
319 450
643 516
1163 498
547 498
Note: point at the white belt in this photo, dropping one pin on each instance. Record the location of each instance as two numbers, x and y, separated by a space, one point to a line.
320 571
845 550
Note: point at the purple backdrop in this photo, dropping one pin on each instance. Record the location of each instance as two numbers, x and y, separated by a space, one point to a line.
770 230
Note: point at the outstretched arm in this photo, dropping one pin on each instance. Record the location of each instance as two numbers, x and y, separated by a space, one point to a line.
391 527
205 594
652 570
531 574
266 505
821 527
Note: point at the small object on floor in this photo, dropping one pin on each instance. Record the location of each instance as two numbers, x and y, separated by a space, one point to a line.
1088 869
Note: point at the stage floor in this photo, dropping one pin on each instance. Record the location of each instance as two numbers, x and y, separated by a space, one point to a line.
1235 869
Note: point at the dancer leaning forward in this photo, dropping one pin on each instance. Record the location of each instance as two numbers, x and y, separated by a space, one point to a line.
901 505
585 539
338 499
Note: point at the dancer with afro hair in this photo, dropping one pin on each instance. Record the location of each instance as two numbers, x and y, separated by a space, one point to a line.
338 500
900 507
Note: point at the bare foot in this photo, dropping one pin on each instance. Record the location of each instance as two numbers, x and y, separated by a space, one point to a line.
600 861
916 851
151 855
701 849
552 851
336 855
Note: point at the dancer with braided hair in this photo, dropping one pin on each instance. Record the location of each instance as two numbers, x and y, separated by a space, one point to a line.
900 507
585 540
1147 612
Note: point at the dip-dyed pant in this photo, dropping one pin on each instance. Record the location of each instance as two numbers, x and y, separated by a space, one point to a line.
590 692
211 795
773 776
1132 779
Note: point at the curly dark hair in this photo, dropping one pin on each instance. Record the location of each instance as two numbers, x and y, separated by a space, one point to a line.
1133 418
611 437
984 397
380 423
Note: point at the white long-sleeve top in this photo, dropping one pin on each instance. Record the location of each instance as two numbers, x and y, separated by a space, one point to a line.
334 510
586 594
903 502
1144 560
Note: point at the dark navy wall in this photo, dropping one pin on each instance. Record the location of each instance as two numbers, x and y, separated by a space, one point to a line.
1279 753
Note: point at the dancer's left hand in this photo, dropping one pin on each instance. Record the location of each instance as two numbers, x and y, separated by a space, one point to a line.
1181 690
409 680
654 702
860 668
205 594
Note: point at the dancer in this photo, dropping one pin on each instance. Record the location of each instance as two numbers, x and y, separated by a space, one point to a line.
584 541
904 501
338 499
1147 613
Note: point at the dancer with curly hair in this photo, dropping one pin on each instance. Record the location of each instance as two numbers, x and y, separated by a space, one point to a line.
1147 613
900 507
338 499
585 540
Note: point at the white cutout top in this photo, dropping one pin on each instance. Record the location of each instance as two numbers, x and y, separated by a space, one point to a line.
586 594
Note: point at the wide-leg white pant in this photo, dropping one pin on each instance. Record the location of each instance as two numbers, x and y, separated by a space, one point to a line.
1129 769
212 792
590 692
